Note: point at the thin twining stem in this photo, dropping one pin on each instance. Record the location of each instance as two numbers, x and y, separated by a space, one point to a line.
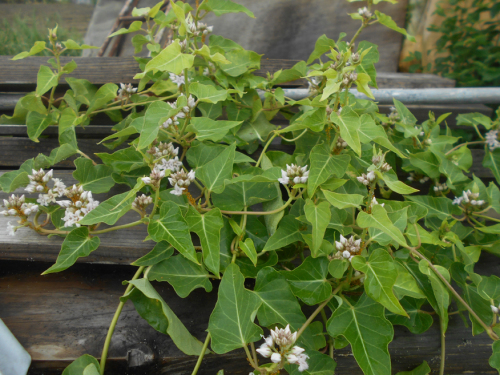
463 144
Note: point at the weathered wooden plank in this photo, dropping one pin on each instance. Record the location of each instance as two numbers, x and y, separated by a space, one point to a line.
20 75
59 317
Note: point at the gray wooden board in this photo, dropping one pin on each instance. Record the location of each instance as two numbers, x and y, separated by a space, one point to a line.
59 317
20 75
281 29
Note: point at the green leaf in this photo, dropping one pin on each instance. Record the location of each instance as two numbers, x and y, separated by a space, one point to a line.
492 161
323 166
155 113
171 59
406 285
273 220
427 162
405 116
323 45
77 244
368 332
207 227
489 287
378 219
13 180
216 57
231 323
91 370
220 7
94 178
183 275
208 129
370 57
216 171
440 291
362 85
494 360
240 62
369 131
206 93
419 321
319 216
109 211
37 123
77 367
308 281
381 275
343 200
387 21
337 267
156 312
123 160
423 369
249 249
45 80
441 208
105 94
287 233
162 250
134 26
331 87
349 124
279 305
37 47
392 182
173 228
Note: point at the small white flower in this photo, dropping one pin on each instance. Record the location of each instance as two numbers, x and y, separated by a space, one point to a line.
177 190
284 178
264 351
494 309
371 176
146 180
11 229
492 139
276 357
303 362
297 350
346 254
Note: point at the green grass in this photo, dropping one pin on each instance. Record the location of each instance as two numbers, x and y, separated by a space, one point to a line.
19 34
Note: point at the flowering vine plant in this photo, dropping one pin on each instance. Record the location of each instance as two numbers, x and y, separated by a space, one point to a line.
330 228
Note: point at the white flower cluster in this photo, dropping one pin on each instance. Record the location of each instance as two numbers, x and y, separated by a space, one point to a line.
349 77
80 203
180 181
341 143
178 79
186 109
199 28
141 202
364 12
379 162
412 177
366 179
361 279
375 202
495 309
492 139
468 197
38 183
17 206
294 173
126 90
166 156
154 177
347 247
393 115
279 347
440 187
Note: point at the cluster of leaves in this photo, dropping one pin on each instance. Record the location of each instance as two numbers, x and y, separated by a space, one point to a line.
243 224
470 42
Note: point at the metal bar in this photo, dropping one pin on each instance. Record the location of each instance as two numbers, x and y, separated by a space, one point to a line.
469 95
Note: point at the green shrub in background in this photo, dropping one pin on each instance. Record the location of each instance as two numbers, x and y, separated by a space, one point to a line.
471 43
19 34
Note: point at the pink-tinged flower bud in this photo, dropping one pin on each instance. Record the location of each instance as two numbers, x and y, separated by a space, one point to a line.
276 357
264 351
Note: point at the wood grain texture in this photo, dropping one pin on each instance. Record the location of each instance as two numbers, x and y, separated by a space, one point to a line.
20 75
59 317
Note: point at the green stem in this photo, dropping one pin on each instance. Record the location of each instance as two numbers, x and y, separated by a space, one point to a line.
202 354
249 356
112 326
487 328
256 212
124 226
294 139
486 217
318 310
443 347
275 134
463 144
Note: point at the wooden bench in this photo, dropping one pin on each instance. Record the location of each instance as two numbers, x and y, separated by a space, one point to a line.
59 317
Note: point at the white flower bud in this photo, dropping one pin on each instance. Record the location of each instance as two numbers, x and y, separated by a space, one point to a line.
276 357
